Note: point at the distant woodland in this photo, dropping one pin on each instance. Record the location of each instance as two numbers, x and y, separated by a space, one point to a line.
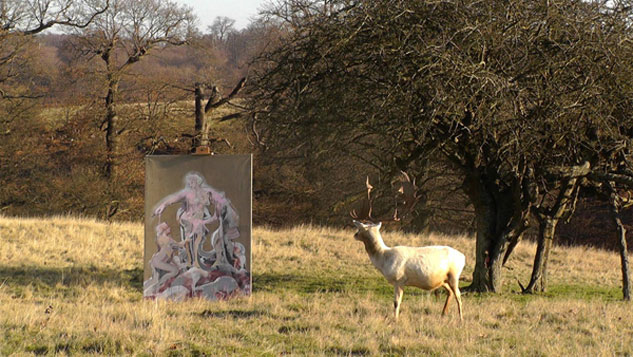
82 105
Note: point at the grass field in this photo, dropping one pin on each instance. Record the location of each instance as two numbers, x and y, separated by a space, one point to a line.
72 286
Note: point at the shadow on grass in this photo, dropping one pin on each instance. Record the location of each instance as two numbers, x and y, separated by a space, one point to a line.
347 351
325 282
71 277
554 292
297 282
235 314
583 292
332 282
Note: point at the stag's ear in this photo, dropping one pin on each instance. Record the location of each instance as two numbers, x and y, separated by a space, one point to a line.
379 225
359 225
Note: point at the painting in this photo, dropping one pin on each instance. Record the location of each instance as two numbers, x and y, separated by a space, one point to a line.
197 227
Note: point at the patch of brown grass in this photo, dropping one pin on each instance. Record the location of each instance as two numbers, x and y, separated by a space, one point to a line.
73 286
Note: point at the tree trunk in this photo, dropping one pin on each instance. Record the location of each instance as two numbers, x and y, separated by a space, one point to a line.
624 259
538 280
111 122
484 218
202 126
548 221
201 137
495 212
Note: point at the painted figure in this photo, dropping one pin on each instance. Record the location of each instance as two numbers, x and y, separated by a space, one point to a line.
165 264
224 236
193 214
216 274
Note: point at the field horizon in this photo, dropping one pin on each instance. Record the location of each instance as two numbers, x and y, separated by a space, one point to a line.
73 286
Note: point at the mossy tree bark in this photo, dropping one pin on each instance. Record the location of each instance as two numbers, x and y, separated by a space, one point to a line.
500 219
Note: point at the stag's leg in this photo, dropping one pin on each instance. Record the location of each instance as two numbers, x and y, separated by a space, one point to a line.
397 300
459 302
448 297
453 284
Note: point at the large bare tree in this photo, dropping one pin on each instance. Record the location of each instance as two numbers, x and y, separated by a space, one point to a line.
121 37
221 28
522 98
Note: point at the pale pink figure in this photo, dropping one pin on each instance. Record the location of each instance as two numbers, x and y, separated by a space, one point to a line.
227 231
164 259
194 216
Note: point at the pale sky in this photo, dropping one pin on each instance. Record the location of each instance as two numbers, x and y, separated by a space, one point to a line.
239 10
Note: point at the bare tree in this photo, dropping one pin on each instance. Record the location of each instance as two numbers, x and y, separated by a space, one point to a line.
202 126
549 212
221 28
121 37
515 95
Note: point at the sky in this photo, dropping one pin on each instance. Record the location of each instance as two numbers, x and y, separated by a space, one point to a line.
239 10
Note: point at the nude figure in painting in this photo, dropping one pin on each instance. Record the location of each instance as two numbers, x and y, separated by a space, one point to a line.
164 259
194 216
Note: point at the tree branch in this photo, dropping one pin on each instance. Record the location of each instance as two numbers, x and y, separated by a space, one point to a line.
68 22
212 105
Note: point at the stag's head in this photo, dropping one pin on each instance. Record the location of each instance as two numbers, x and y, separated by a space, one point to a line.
366 230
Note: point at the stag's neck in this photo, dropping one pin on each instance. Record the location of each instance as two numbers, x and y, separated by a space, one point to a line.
374 245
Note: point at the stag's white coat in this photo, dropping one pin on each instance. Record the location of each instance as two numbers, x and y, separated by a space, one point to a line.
427 268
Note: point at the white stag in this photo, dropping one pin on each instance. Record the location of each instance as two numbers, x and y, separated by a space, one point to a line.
427 268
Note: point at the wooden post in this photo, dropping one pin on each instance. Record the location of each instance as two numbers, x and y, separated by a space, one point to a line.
202 150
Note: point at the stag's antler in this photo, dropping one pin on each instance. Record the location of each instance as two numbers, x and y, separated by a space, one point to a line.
409 197
365 210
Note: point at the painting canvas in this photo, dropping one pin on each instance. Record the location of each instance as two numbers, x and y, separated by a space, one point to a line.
197 227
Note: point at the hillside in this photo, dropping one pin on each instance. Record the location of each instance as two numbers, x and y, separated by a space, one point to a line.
73 286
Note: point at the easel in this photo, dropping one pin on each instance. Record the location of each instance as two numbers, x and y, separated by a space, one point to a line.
202 150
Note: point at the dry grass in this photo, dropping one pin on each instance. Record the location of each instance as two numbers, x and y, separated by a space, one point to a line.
73 286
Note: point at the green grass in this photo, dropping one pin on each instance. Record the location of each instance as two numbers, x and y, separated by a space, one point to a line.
585 292
73 287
